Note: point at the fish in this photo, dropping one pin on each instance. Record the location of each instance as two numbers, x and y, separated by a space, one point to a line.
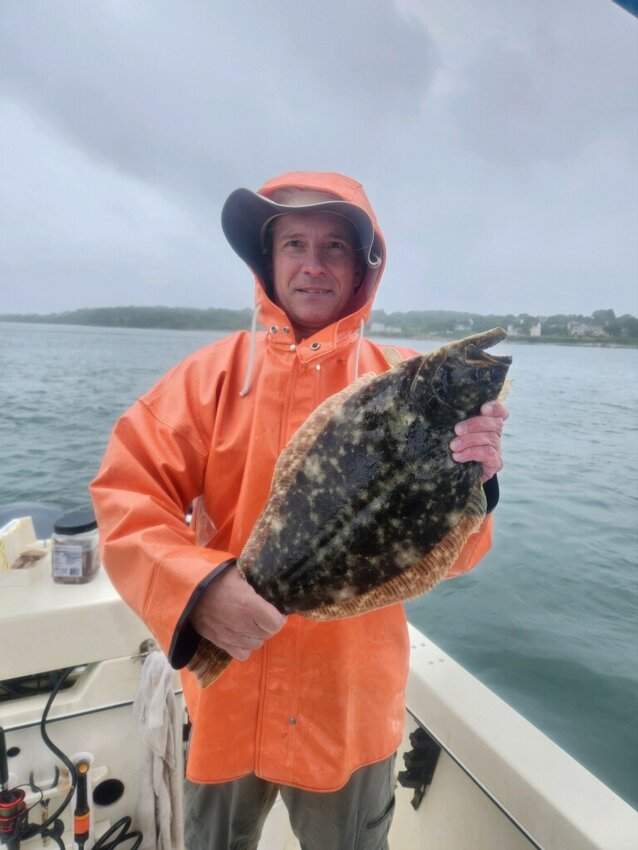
367 507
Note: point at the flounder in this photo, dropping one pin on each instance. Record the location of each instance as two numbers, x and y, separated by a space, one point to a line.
367 507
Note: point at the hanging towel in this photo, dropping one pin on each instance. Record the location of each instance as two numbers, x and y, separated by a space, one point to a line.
159 810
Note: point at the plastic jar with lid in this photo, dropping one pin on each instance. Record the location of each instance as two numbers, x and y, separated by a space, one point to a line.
74 548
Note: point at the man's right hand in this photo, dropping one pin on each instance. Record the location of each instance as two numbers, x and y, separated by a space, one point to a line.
233 616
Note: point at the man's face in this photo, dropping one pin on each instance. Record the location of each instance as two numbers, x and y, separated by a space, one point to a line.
315 268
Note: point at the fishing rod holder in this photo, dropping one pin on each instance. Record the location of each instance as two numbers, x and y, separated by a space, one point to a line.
420 763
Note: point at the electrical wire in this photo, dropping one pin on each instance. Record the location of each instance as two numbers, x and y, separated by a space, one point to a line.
37 829
33 788
55 834
116 835
122 825
24 686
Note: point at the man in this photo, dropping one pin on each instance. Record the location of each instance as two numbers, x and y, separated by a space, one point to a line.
315 709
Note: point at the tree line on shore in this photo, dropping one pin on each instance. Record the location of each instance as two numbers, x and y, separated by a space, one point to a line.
601 325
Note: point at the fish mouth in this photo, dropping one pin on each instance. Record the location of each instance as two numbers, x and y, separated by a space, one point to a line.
476 356
475 350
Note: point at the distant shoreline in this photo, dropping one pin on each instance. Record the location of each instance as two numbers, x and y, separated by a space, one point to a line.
607 330
583 342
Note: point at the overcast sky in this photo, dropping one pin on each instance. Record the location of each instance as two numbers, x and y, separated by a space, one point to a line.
496 140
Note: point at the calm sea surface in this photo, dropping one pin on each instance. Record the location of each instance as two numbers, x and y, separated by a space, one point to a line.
549 619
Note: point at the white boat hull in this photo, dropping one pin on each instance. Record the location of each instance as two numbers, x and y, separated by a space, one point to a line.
499 783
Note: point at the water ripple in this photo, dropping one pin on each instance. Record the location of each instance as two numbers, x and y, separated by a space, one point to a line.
548 619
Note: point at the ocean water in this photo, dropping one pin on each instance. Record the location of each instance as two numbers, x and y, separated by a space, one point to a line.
548 620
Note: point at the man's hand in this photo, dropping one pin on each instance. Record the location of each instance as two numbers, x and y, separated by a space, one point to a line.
479 438
235 618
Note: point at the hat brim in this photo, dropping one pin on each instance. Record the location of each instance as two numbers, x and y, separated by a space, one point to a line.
245 214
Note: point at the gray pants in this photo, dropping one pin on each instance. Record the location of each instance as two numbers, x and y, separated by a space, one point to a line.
230 815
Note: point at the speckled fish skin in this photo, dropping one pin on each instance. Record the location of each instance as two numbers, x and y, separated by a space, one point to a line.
367 506
378 488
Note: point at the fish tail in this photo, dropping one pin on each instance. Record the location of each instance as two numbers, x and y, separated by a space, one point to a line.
208 662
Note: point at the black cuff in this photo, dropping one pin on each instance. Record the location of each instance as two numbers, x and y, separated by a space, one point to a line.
186 637
490 488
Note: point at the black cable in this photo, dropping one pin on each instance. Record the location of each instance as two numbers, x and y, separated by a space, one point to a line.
56 834
36 829
24 686
122 825
116 835
33 788
57 840
14 693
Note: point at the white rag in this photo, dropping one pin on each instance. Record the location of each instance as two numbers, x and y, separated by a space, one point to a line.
159 814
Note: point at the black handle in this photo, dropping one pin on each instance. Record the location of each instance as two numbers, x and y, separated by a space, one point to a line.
82 799
4 764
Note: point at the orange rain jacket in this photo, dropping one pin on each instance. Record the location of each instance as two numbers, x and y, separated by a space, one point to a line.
320 699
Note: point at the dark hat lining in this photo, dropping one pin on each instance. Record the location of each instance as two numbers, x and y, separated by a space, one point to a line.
245 214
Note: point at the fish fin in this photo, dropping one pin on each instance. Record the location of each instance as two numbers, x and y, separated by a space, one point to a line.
476 504
412 582
505 390
289 462
208 662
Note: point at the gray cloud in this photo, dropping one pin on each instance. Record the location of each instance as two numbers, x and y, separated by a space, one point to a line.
549 91
495 140
178 94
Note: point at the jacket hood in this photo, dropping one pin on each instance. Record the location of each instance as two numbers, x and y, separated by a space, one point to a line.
244 210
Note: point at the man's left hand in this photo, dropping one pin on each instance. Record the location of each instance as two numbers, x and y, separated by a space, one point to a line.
479 438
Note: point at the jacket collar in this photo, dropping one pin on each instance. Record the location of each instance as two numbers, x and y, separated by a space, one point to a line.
339 333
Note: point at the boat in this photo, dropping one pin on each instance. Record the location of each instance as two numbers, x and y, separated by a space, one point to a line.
472 773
